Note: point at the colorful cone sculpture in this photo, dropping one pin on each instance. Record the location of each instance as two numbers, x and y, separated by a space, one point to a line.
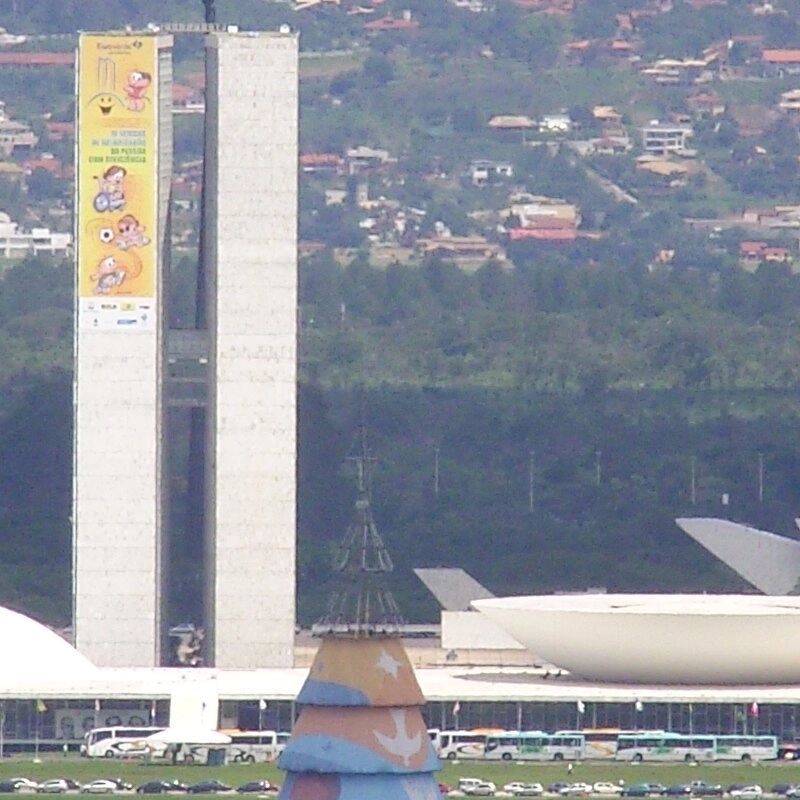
360 734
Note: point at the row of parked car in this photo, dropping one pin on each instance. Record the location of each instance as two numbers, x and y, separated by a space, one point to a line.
114 785
475 787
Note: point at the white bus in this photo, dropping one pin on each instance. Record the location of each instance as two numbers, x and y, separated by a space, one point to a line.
451 745
746 748
534 746
251 746
123 741
661 746
600 743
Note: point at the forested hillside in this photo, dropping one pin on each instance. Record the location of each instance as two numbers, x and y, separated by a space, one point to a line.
538 419
565 441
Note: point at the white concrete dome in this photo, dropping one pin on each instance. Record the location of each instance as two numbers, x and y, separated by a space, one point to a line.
670 639
30 649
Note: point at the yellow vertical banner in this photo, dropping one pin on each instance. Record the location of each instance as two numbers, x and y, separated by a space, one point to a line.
117 181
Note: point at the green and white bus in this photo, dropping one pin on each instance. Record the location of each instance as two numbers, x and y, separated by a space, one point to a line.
746 748
661 746
534 746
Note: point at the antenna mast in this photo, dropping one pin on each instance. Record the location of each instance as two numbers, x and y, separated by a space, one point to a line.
361 605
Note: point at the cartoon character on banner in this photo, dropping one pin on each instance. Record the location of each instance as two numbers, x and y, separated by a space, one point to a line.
112 271
136 88
111 190
130 233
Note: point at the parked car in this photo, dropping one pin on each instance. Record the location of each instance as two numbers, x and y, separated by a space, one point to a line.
644 790
11 785
752 792
576 790
522 789
444 789
159 787
606 787
465 783
555 788
529 790
99 786
780 788
256 787
57 786
208 787
480 789
703 789
793 790
24 783
679 790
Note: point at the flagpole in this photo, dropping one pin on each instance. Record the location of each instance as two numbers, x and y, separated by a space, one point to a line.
36 734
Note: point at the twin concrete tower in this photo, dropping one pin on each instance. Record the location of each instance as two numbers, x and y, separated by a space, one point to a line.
185 440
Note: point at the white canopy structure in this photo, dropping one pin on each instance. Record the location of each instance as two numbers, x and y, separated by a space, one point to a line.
658 639
188 736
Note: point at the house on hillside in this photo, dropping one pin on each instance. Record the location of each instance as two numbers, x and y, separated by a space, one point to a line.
661 138
485 173
751 252
778 63
790 101
511 122
706 104
15 136
404 23
555 123
362 159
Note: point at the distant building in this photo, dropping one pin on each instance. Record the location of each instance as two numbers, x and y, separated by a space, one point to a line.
363 159
756 252
484 173
659 138
17 243
16 136
555 123
781 62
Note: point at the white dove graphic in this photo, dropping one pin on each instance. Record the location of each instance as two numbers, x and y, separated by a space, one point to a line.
401 744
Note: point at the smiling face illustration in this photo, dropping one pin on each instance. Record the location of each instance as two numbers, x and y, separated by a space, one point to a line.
104 103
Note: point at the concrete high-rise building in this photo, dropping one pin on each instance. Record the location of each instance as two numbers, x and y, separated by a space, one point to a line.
124 163
251 256
131 557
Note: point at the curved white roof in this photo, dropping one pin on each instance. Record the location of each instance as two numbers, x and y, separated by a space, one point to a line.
669 639
29 649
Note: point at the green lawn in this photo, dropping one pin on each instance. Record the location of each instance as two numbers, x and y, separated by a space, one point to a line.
54 766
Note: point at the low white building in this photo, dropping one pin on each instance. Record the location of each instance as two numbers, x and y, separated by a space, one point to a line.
17 243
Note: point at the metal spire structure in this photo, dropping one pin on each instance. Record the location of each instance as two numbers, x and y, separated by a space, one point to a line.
211 11
361 605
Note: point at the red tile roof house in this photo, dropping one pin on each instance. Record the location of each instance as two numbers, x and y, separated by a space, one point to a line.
546 230
46 162
391 24
751 252
781 62
756 252
60 130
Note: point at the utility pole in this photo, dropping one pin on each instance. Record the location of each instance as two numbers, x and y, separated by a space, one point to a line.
693 480
531 464
436 471
760 477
